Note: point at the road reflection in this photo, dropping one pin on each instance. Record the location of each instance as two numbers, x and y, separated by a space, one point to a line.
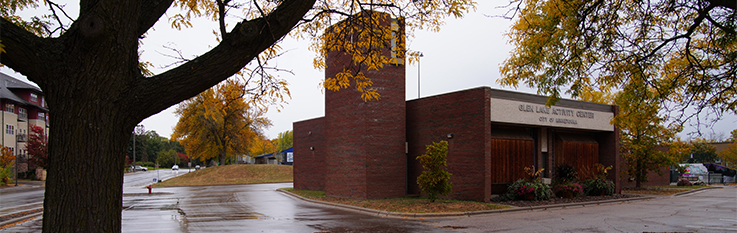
249 208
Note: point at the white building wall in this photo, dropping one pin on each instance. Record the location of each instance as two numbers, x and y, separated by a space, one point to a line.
10 129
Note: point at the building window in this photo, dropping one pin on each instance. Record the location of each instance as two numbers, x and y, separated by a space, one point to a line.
41 116
9 129
10 107
34 98
22 113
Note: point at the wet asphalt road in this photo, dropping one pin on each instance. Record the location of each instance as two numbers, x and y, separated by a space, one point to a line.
259 208
248 208
713 210
141 179
21 198
233 208
31 194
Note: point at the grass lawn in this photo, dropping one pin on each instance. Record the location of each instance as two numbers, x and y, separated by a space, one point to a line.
232 174
662 190
403 204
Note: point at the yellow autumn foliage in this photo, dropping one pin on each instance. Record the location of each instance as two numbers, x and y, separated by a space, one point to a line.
219 122
684 50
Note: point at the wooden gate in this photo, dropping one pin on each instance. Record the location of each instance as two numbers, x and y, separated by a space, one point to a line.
511 152
578 150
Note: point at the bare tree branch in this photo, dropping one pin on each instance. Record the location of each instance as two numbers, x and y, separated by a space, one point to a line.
246 40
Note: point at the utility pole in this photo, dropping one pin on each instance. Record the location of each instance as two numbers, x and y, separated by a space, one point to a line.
418 74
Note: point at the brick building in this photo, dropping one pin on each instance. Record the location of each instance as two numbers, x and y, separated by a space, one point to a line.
368 149
23 106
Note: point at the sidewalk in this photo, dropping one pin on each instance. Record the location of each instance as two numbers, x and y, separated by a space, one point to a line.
22 185
383 213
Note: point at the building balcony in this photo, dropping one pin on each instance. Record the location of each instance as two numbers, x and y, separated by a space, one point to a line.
21 137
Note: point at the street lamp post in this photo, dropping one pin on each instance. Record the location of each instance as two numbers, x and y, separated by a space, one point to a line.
138 129
16 167
418 74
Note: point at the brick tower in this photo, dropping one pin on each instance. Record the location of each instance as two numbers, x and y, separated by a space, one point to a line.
365 141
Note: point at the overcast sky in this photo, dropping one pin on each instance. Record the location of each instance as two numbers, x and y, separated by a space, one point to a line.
465 54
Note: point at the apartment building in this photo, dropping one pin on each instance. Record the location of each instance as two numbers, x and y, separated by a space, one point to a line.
23 106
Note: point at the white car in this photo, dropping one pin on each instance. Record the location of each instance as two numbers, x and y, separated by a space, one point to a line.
175 167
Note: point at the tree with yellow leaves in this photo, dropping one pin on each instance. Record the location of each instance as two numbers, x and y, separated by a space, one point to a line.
687 50
89 67
219 122
261 145
643 129
729 156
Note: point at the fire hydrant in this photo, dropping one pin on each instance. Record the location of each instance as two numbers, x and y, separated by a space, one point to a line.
149 189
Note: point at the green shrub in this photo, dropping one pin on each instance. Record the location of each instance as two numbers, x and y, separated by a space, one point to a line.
522 189
5 174
166 158
435 180
598 187
564 174
30 175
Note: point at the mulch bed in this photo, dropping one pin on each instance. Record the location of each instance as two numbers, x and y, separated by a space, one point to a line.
521 203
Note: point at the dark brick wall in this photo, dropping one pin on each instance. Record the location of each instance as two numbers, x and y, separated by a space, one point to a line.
466 115
609 153
653 179
309 164
365 157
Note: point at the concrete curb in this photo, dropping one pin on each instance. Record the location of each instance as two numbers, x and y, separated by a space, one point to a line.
695 190
382 213
20 219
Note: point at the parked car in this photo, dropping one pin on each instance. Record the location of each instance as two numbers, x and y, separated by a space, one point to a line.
139 168
175 167
197 167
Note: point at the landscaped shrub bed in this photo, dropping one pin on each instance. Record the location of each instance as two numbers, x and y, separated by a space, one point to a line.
567 184
579 199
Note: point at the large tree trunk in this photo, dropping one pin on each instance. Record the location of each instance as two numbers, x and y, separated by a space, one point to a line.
640 173
92 115
221 158
96 94
84 186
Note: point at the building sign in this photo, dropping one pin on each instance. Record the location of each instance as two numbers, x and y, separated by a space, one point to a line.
518 112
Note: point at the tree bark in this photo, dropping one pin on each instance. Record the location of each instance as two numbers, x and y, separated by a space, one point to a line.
84 186
640 173
221 158
96 95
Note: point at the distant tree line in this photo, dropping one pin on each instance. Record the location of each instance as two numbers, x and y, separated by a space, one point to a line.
150 148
